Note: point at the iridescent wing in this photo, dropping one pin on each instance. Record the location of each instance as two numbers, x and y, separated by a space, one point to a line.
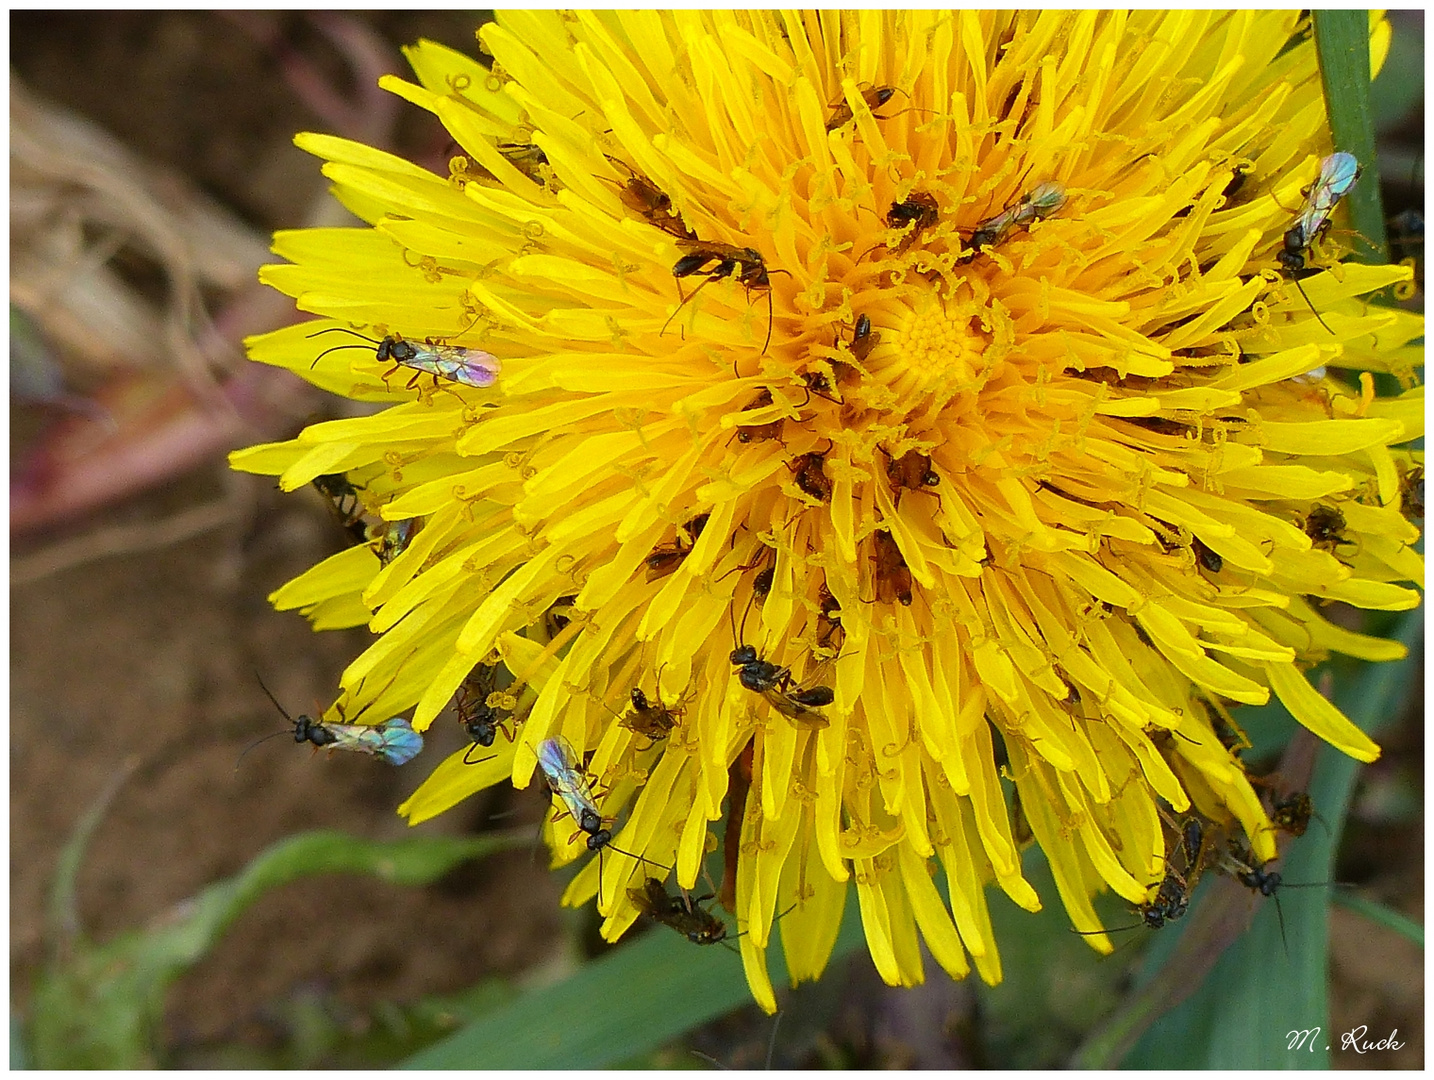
1046 199
393 740
471 367
399 743
1338 173
560 765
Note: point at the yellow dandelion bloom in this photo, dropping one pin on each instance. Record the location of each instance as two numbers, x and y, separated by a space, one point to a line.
892 434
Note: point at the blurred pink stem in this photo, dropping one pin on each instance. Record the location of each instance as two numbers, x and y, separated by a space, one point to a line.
69 473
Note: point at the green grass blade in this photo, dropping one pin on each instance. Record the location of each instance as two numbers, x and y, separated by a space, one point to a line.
62 920
617 1008
1383 916
1342 41
99 1007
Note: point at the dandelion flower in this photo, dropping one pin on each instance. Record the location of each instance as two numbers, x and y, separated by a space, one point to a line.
909 406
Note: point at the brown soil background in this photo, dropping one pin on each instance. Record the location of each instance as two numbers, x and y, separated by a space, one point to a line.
154 652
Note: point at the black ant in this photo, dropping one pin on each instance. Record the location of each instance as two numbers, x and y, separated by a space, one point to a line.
715 261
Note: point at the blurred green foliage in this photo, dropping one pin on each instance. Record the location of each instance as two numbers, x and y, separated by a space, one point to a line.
100 1006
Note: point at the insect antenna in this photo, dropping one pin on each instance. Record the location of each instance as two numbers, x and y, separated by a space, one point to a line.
630 855
766 344
732 621
600 876
341 330
1112 930
251 746
634 855
1280 914
283 712
727 942
1317 315
745 613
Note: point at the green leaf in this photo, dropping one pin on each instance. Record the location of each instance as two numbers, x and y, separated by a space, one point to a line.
1259 992
1342 40
100 1006
621 1006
